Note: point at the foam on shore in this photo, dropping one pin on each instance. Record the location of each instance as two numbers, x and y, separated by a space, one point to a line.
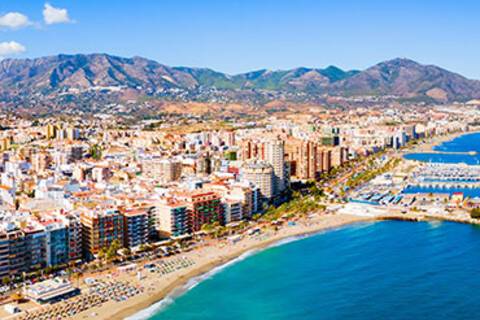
191 283
194 281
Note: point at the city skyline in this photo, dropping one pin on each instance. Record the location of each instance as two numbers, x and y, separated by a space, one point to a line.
184 159
242 36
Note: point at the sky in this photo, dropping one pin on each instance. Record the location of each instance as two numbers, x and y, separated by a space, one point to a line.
236 36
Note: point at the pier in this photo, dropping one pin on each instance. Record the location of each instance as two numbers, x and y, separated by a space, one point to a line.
465 153
446 185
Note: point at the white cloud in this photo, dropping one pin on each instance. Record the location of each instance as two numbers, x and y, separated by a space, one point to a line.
52 15
14 20
9 48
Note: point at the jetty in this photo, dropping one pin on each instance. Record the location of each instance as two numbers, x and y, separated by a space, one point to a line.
465 153
446 185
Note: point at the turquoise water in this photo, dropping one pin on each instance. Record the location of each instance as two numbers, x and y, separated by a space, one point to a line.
384 270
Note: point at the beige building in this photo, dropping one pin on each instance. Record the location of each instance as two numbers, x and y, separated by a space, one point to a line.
163 170
260 173
50 131
275 155
172 218
40 161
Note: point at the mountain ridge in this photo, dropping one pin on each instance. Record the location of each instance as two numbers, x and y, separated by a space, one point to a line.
408 78
87 76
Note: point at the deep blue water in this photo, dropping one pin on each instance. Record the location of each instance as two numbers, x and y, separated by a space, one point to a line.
385 270
467 192
464 143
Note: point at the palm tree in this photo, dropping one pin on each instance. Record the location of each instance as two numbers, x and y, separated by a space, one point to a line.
6 280
77 276
101 254
126 252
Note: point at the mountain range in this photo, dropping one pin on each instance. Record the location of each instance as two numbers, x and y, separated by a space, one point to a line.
103 78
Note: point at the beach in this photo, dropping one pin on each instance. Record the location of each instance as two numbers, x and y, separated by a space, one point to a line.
206 258
210 257
218 253
209 254
337 275
428 146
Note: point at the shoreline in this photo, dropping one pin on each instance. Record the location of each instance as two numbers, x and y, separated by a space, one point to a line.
131 308
167 287
428 147
138 304
216 254
181 281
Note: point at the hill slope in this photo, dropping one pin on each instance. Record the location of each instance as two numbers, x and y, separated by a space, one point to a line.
102 78
407 78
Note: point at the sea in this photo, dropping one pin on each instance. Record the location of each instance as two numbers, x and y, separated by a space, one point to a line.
378 270
382 270
464 143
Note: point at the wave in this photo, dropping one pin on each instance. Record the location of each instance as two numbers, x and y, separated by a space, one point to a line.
355 226
191 283
288 240
194 281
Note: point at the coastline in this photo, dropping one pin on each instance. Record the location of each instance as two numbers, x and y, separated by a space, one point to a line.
216 254
207 261
137 304
438 140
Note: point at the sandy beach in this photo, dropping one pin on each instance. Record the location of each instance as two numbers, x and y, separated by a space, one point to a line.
436 141
209 257
217 253
206 258
212 253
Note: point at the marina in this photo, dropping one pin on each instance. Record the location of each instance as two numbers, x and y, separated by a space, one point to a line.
239 160
420 184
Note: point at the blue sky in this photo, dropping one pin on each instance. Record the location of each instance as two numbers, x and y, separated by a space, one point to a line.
237 36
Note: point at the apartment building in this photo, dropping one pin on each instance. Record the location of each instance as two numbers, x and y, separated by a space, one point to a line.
74 234
275 155
204 207
173 218
260 173
135 227
233 210
99 229
162 170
